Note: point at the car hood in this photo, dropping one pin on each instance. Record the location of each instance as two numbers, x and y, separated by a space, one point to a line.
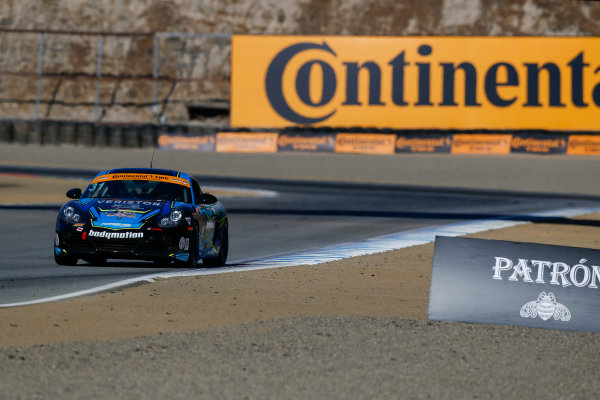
124 214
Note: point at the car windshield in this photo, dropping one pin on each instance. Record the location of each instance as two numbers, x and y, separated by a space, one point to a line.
138 189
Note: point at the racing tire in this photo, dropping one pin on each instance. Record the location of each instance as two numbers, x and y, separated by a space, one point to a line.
161 262
192 261
221 258
96 260
65 260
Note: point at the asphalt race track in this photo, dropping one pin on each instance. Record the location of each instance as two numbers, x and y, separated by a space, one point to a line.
303 215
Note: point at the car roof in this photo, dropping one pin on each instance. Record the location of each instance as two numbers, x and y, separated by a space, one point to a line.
154 171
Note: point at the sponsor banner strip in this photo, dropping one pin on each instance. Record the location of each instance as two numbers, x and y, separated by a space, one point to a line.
379 143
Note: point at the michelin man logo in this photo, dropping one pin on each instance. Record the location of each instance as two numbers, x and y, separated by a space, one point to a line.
545 306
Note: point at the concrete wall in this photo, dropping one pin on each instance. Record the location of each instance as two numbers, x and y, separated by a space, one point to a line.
129 100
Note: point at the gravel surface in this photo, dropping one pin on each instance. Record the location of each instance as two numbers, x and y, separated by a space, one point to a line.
314 357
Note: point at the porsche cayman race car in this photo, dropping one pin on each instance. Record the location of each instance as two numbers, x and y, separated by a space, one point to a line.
145 214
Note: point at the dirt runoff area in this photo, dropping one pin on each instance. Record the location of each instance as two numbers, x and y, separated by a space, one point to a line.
393 284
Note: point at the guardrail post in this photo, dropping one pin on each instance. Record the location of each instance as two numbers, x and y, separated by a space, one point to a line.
98 76
40 70
6 131
155 76
51 133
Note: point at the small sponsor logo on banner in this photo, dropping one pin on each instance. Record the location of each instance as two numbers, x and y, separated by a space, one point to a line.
369 143
481 144
526 284
544 144
306 142
424 143
169 141
255 142
584 145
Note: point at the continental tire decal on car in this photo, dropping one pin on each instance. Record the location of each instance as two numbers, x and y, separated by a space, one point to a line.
116 235
141 177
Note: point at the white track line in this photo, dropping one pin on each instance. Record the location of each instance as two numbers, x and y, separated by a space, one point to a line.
329 253
243 192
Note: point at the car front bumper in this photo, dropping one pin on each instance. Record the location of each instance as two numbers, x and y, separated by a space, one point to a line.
152 245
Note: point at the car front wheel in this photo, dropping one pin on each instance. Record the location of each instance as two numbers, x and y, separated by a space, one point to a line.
221 258
192 261
63 259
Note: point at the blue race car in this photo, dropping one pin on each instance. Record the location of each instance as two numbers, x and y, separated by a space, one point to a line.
145 214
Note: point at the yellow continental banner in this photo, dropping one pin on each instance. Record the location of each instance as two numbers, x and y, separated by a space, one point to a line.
255 142
416 82
584 145
370 143
186 142
481 144
141 177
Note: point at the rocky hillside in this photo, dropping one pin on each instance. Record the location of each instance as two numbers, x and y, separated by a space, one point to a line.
195 71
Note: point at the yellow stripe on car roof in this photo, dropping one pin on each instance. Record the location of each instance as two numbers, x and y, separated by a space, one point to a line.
141 177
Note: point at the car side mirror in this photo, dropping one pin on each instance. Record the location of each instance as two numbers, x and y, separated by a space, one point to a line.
74 193
207 198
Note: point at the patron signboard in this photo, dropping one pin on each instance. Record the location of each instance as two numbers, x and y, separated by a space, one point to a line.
416 82
527 284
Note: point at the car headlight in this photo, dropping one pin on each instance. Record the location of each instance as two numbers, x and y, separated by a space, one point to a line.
175 215
172 220
70 215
